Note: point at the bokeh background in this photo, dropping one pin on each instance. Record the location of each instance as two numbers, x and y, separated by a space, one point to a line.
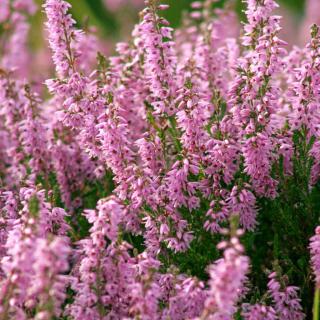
106 13
115 17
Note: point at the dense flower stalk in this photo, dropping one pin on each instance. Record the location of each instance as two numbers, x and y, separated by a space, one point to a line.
61 34
253 95
49 287
99 274
259 312
160 58
15 52
227 278
287 303
306 90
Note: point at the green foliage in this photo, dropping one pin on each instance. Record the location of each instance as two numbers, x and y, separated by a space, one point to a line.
202 251
90 195
107 21
285 226
33 206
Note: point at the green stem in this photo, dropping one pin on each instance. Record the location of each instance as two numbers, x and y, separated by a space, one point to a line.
316 304
174 134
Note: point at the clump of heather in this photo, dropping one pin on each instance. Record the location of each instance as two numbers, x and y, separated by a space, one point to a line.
177 179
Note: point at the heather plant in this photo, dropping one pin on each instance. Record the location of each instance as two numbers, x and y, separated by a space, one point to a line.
176 179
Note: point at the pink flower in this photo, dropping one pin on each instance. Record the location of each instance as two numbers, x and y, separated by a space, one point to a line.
258 312
159 59
315 255
186 299
243 203
227 278
287 304
61 33
4 10
49 285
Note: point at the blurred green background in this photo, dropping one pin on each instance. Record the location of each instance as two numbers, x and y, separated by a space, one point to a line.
98 14
115 26
108 22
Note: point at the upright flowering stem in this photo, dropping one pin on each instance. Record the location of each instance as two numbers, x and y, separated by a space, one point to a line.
305 120
212 52
159 58
14 51
105 267
50 283
306 117
61 33
287 303
12 103
253 95
227 279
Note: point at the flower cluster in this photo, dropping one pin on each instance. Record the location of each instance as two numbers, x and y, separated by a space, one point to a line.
121 185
